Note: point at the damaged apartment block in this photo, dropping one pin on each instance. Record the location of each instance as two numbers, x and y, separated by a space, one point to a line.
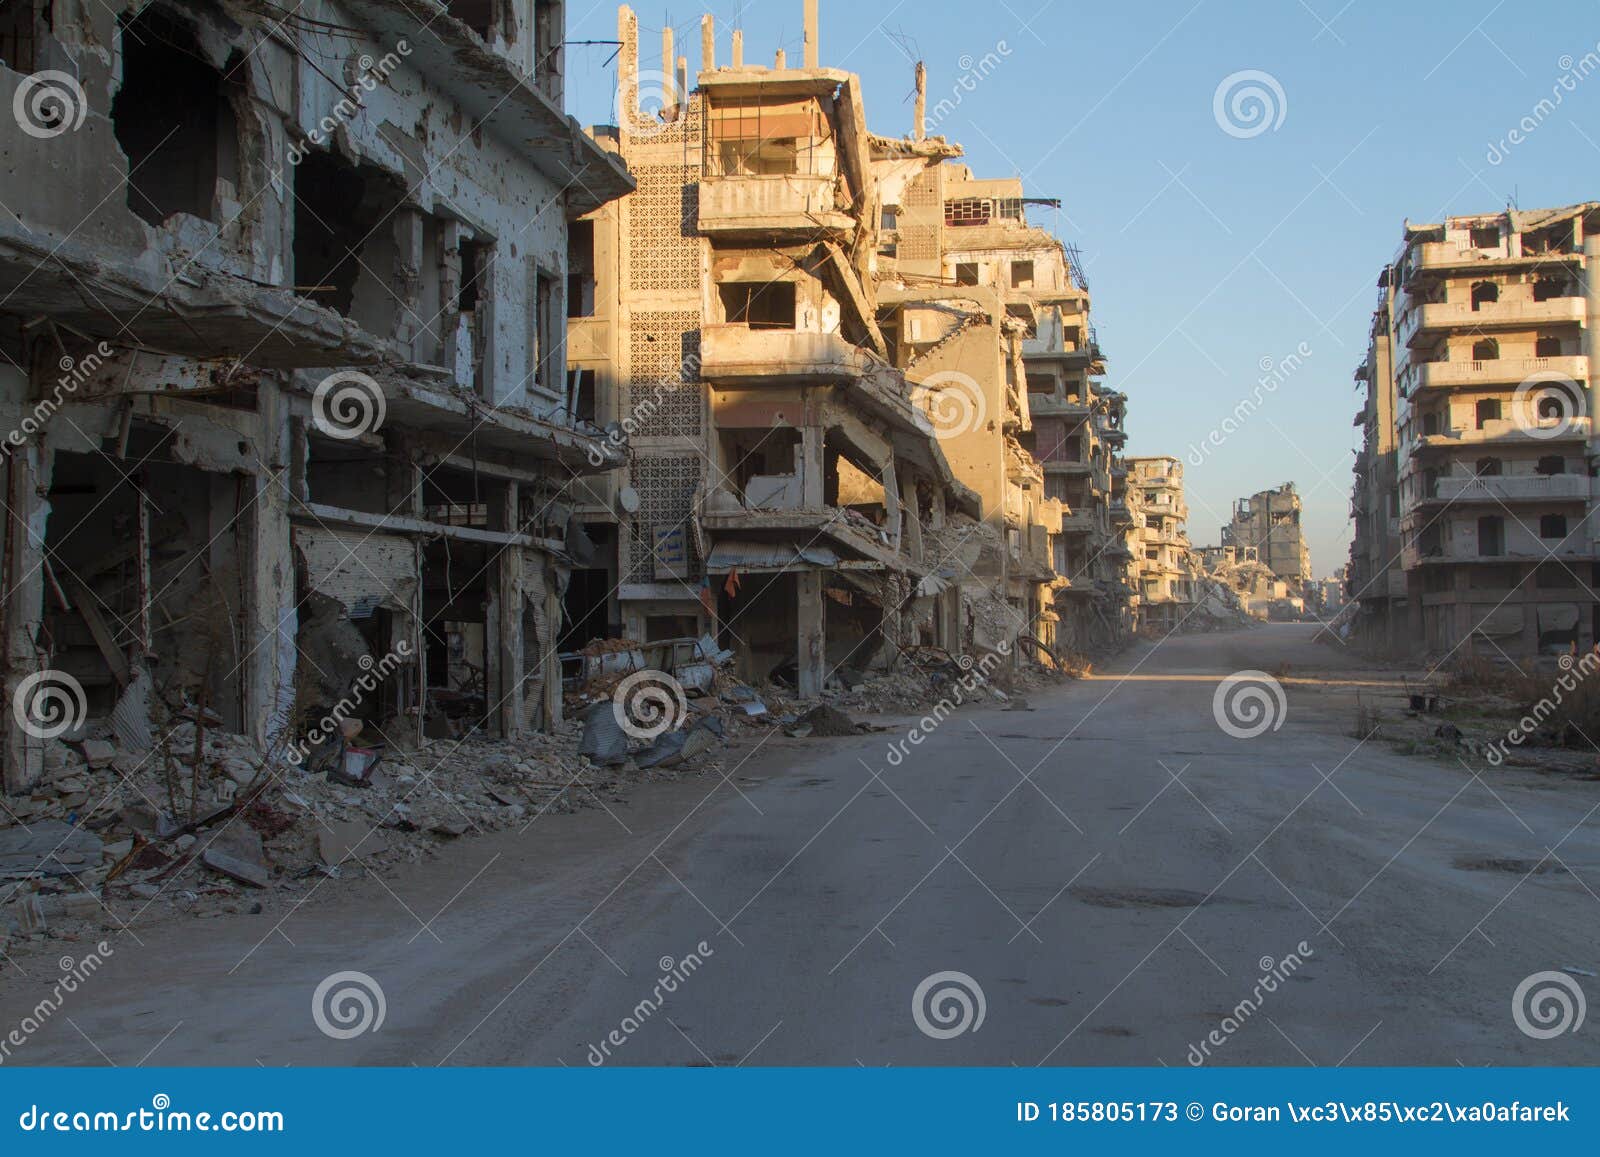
290 403
827 416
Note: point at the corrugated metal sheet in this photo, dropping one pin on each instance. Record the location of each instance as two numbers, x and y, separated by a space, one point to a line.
363 571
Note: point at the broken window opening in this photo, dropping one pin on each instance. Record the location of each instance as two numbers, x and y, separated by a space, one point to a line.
174 118
1484 292
548 328
1545 288
1487 350
337 211
18 36
1553 526
1486 411
581 265
1491 535
1022 275
478 15
1551 464
966 273
1487 468
759 305
1547 347
1486 237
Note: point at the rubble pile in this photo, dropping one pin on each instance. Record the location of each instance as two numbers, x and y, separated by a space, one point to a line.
108 834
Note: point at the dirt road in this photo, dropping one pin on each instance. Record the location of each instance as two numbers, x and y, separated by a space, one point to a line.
1120 878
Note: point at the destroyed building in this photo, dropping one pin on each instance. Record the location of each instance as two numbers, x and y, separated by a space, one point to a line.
820 378
1268 522
283 323
1375 577
1492 321
1166 567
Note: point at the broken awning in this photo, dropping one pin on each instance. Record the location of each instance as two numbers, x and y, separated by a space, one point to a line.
753 556
359 569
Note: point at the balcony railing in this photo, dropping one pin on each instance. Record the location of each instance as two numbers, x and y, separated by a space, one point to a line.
1514 488
736 352
770 204
1442 316
1476 373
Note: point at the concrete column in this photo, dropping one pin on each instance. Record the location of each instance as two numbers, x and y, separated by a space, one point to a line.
1591 323
919 112
780 61
628 62
891 502
809 634
738 48
666 64
908 515
547 655
813 456
708 42
811 55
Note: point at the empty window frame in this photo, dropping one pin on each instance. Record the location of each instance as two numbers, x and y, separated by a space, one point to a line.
1486 411
769 138
758 304
1553 526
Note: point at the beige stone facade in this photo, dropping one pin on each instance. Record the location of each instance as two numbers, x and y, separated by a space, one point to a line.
1491 320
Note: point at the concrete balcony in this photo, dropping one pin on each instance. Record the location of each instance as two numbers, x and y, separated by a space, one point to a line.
1433 321
1513 488
1573 550
1455 255
1079 522
749 206
1446 375
1049 406
736 353
1502 431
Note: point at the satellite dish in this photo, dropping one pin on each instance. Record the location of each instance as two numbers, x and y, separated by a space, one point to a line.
628 499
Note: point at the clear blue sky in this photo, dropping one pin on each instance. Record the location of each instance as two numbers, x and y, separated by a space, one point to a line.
1206 252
